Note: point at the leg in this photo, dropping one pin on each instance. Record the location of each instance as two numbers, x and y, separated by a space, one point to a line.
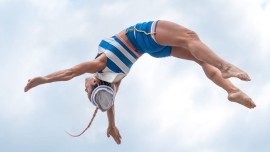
234 93
168 33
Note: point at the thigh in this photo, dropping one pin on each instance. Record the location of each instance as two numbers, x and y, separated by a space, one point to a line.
172 34
183 53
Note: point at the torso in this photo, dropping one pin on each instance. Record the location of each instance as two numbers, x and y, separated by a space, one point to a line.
119 55
122 50
122 36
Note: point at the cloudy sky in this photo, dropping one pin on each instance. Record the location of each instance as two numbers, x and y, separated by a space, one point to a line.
162 105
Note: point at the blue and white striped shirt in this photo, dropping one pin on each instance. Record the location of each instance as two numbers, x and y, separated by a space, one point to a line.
120 58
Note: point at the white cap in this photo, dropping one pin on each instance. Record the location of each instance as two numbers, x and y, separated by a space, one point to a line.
102 97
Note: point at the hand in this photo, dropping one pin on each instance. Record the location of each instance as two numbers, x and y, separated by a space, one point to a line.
34 82
113 131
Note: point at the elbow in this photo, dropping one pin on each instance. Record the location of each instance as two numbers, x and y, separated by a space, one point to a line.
99 66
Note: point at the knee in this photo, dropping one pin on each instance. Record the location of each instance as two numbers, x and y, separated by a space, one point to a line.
192 35
191 39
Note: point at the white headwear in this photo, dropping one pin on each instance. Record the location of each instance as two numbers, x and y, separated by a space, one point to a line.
102 97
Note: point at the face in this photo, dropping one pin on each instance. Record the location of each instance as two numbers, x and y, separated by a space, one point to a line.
90 83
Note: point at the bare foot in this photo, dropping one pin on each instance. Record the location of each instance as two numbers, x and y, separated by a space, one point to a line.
241 98
232 71
35 82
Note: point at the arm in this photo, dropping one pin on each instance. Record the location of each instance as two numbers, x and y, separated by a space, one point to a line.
116 86
67 74
112 130
110 112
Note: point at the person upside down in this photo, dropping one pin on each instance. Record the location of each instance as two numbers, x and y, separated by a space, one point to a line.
117 54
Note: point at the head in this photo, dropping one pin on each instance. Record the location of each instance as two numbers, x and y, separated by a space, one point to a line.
96 86
90 84
100 93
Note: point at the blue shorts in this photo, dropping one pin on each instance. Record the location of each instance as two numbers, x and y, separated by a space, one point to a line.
142 37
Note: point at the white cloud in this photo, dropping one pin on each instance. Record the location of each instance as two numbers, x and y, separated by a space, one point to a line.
255 21
178 114
167 95
264 97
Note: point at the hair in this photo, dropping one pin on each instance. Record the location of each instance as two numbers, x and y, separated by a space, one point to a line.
101 82
92 119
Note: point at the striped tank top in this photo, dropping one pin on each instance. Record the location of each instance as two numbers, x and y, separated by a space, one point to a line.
120 58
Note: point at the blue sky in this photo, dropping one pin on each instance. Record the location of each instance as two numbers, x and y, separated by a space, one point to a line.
162 105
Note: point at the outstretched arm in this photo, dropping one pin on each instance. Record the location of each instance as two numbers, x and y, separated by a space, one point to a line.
67 74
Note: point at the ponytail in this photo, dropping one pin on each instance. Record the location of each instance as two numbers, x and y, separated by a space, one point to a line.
94 115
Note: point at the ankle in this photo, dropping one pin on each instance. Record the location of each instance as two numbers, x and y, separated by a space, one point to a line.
224 67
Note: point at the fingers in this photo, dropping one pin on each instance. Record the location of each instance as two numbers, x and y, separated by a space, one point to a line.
115 134
27 87
120 135
117 139
108 134
30 84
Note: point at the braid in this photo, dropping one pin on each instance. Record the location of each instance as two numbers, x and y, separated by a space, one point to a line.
94 115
